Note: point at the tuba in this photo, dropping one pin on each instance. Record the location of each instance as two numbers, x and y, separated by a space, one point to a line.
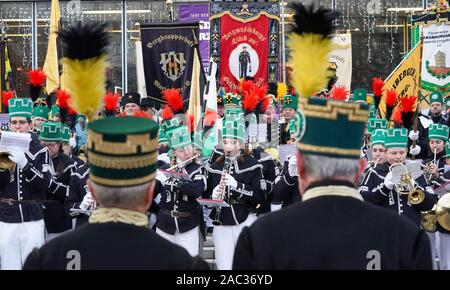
222 196
405 184
439 214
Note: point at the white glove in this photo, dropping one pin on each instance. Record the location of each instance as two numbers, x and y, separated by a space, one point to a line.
164 158
292 166
161 176
388 181
413 135
230 181
19 158
414 150
72 142
216 193
88 200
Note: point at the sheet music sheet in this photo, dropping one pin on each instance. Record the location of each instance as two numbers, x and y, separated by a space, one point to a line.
15 141
285 151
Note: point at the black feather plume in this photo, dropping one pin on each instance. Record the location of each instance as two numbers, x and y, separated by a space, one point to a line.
309 20
272 89
84 40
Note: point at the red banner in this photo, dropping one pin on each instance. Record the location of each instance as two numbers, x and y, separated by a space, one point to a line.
243 50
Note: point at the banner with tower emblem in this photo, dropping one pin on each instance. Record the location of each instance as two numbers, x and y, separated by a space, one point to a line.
168 55
436 58
245 41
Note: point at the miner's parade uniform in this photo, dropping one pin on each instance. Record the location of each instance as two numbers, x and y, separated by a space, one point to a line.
61 168
243 193
285 189
79 206
289 102
332 213
383 193
180 215
21 194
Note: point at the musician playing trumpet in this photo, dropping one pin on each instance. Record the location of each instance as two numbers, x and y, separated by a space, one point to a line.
239 185
380 189
179 216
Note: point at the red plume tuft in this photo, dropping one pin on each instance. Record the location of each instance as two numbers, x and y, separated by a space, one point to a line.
250 101
191 122
377 86
391 98
246 86
6 95
167 113
36 77
397 115
111 101
64 99
210 118
173 99
408 104
339 93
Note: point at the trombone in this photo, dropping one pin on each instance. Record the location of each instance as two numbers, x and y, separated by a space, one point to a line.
406 185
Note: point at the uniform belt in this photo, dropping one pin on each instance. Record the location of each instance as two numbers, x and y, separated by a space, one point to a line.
175 214
12 201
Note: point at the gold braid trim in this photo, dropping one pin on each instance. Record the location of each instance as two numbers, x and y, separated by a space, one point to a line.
352 110
123 162
325 149
336 190
144 141
117 215
122 182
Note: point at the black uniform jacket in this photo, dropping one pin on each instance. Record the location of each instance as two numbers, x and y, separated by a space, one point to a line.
332 232
114 246
27 185
77 190
55 216
374 191
182 201
248 195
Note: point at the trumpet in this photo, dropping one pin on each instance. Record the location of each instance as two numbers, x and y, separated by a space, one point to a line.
5 162
222 195
406 185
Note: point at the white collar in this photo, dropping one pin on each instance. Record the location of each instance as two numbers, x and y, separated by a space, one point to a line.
336 190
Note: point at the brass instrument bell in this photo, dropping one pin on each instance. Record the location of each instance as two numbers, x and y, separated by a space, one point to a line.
5 162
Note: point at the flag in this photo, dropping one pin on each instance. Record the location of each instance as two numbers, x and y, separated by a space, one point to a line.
51 68
405 78
211 96
195 108
341 59
142 90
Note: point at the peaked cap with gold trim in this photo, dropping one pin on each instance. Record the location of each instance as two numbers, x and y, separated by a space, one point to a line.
122 151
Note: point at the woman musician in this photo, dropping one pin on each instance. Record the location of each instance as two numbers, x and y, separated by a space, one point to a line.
179 215
239 185
434 165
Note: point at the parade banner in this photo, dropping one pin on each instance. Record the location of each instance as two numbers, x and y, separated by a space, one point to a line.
168 55
198 13
244 41
341 59
405 78
436 58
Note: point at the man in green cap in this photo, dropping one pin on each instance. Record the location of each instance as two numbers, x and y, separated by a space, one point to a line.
122 158
22 190
288 110
62 167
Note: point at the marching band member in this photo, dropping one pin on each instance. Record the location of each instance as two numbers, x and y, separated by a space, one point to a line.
62 169
434 165
22 190
179 215
239 184
285 189
80 203
380 189
39 116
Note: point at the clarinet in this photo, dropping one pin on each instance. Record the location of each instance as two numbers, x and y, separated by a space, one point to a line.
222 195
